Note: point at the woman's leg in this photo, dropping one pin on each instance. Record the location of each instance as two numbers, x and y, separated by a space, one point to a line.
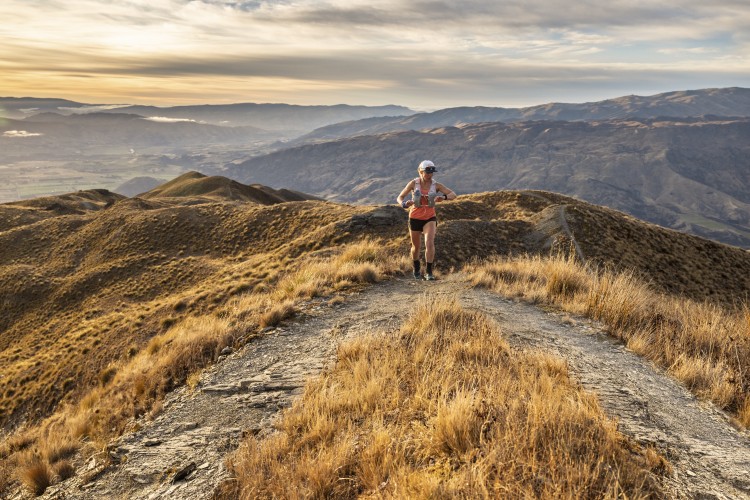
416 244
430 229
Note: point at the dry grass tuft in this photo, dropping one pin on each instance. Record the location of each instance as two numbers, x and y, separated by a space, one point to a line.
36 475
702 344
743 415
14 443
365 251
443 409
277 314
58 447
63 470
362 272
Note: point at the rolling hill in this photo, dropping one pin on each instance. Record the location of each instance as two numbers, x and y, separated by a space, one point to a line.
195 184
91 276
89 284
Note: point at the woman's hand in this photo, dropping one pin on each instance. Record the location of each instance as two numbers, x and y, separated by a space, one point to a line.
407 203
438 199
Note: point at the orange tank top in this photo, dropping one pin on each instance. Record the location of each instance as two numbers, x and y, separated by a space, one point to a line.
423 212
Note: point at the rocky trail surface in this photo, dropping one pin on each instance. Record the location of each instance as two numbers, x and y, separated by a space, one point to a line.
181 453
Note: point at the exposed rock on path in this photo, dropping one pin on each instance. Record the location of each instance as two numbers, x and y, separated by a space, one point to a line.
181 453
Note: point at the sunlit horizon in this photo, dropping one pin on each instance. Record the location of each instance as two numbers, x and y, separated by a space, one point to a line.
424 56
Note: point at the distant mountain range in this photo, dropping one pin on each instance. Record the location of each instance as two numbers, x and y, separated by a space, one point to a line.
679 159
687 174
287 118
690 103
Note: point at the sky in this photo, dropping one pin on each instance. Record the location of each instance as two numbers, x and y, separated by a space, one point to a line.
424 54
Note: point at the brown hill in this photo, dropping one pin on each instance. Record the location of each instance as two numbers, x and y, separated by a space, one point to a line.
21 213
690 175
515 222
195 184
137 185
81 291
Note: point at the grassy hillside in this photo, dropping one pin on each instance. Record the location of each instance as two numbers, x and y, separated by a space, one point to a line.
22 213
107 303
194 184
82 290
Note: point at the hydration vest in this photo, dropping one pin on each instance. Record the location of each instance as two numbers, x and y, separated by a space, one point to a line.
416 195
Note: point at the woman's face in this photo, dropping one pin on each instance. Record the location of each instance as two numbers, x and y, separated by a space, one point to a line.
426 176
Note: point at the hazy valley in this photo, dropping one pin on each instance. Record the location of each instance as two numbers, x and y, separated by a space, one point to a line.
51 146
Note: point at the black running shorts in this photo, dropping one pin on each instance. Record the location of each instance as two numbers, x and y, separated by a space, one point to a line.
418 225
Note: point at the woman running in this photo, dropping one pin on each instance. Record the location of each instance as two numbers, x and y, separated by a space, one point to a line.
425 192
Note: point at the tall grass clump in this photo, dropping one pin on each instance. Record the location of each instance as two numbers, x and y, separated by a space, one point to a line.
42 465
345 267
36 475
140 383
703 345
442 409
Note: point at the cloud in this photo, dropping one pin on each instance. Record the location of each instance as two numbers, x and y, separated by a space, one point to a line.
307 50
91 109
20 133
164 119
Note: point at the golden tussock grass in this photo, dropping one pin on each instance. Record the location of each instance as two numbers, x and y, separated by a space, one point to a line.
151 266
36 476
142 381
46 462
63 470
277 314
704 345
443 409
135 385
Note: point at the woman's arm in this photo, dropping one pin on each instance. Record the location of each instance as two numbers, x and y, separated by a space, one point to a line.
448 193
408 189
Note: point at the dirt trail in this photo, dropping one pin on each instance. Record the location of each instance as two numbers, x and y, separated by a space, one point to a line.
181 453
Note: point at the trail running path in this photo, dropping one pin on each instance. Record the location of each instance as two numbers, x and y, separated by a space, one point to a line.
181 453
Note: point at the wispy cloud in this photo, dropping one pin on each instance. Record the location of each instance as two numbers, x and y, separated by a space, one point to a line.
415 52
165 119
89 109
20 133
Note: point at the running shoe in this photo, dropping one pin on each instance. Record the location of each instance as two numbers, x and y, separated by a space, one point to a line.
429 277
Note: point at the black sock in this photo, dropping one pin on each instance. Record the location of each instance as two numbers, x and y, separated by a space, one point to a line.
417 266
429 268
